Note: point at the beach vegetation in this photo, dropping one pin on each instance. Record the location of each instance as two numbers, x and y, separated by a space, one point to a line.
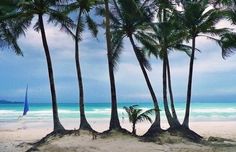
136 115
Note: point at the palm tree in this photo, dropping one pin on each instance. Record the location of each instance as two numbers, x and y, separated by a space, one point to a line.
168 38
26 10
160 40
111 56
129 17
199 20
137 115
83 7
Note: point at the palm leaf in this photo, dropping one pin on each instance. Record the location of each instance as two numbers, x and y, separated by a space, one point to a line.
92 26
117 46
228 44
136 115
60 18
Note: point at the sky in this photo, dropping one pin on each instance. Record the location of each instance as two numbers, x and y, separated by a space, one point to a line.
214 78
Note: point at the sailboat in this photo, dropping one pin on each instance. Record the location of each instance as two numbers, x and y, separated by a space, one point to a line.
26 105
25 110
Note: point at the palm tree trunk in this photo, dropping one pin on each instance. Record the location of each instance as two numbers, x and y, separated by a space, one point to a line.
189 91
133 129
56 121
156 126
164 78
114 122
83 121
165 100
174 115
172 118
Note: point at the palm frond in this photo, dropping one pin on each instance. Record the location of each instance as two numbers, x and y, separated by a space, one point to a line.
143 59
117 47
92 26
185 48
81 27
60 18
128 110
36 26
148 42
8 39
229 14
144 117
228 44
136 115
68 8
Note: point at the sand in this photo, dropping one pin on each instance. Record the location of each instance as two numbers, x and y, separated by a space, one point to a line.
14 136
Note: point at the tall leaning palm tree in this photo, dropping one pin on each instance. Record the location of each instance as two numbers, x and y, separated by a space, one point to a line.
199 20
128 18
26 10
111 57
83 7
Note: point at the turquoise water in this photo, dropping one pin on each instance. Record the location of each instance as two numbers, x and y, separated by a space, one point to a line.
200 111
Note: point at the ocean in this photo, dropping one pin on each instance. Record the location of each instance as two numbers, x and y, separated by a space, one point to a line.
200 111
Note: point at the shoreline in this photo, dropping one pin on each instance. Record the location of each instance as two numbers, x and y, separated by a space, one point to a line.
223 129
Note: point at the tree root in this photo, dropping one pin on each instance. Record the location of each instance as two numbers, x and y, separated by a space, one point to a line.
84 125
152 134
109 131
46 139
185 133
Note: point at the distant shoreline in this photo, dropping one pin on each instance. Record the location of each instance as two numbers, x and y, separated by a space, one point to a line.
9 102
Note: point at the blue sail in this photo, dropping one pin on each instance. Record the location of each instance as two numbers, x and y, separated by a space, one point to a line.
26 104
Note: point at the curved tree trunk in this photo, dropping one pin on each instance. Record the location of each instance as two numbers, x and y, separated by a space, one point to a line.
174 115
83 121
165 100
156 126
56 121
189 91
114 122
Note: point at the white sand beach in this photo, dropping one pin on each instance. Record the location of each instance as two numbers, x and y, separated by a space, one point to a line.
13 137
